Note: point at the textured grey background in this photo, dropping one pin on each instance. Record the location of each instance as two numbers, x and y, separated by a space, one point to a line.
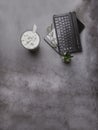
38 91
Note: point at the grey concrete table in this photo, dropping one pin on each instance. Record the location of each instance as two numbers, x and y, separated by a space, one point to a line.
38 91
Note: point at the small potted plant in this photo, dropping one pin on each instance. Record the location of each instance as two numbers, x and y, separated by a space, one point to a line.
67 57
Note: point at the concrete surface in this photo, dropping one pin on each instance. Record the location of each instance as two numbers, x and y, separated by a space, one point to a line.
38 91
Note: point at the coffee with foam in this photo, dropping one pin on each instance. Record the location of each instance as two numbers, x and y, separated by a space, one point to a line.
30 39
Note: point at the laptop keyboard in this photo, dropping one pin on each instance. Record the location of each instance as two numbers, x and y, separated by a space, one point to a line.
67 33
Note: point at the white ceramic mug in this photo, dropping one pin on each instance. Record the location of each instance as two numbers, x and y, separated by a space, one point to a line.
30 39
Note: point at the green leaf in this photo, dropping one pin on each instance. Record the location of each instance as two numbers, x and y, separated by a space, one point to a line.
67 57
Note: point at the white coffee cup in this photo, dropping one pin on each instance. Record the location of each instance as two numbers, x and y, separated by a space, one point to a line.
30 39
